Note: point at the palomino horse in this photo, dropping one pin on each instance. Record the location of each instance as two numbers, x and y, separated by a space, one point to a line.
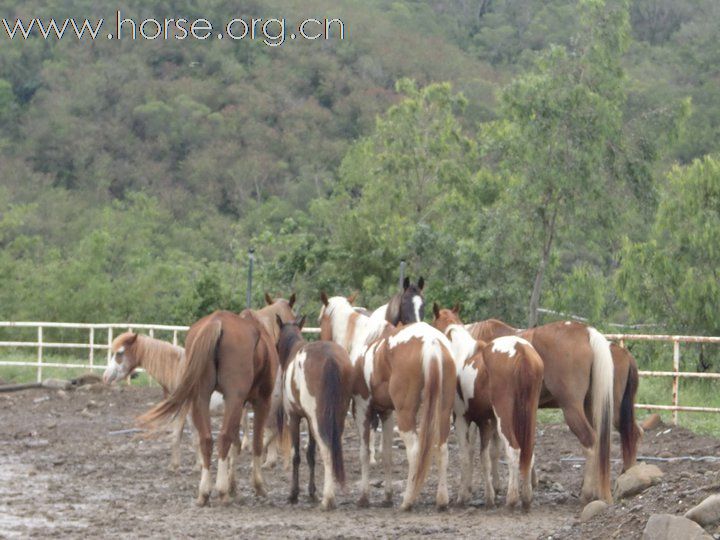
163 361
579 380
266 317
405 307
227 353
625 386
410 371
498 382
317 385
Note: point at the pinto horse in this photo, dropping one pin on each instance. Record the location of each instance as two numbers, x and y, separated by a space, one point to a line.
317 381
625 386
232 355
408 370
578 379
405 307
164 362
498 386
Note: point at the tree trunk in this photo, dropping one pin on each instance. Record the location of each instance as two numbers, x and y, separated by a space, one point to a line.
540 274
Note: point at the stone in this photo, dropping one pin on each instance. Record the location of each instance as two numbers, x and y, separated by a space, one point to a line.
592 509
669 527
59 384
707 512
651 422
636 480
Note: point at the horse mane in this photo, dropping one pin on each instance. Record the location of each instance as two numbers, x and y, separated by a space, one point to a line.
162 360
367 329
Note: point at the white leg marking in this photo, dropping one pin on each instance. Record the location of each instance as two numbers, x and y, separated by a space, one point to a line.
442 497
205 487
387 440
410 439
223 484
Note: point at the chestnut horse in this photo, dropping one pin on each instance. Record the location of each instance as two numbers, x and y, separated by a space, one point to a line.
227 353
405 307
579 380
163 361
409 370
498 386
317 385
625 386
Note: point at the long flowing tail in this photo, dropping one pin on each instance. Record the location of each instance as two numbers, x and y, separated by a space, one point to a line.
629 430
529 377
332 416
201 353
429 423
602 407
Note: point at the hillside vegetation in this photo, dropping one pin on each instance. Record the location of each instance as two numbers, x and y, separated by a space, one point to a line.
518 154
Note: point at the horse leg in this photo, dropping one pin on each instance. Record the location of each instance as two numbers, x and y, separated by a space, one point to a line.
388 424
488 459
362 420
245 422
496 450
176 440
201 420
310 456
465 451
260 408
373 460
580 426
328 500
271 446
228 435
294 428
406 426
442 497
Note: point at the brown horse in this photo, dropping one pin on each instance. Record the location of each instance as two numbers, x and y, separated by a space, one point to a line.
405 307
579 380
227 353
317 385
408 370
498 386
625 386
164 362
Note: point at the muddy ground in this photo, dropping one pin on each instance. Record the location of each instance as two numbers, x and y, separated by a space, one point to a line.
63 473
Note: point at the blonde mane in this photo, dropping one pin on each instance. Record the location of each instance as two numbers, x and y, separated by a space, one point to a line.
162 360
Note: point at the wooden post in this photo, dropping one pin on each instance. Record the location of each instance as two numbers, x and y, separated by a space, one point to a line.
175 337
676 379
110 340
152 332
40 354
91 354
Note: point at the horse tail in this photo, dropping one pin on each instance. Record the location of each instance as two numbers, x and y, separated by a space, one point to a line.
201 354
429 423
629 430
602 407
528 378
332 416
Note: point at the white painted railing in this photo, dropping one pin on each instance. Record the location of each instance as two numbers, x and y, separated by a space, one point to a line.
109 329
91 345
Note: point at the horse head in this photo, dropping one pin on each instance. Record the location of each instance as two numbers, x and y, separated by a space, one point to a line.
124 359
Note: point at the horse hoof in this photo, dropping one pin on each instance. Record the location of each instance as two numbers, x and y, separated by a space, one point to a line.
328 504
406 507
225 499
268 465
202 499
260 491
441 507
363 502
490 503
293 499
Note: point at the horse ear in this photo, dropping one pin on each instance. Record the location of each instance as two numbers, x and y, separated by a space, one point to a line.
268 299
436 310
456 308
324 298
421 283
279 321
292 300
406 283
352 298
300 321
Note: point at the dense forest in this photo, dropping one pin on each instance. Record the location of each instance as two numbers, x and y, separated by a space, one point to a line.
519 154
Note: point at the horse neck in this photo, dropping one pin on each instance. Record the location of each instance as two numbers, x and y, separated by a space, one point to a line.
287 348
353 333
463 344
160 359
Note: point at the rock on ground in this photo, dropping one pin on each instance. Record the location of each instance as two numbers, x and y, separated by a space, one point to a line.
592 509
707 512
669 527
636 479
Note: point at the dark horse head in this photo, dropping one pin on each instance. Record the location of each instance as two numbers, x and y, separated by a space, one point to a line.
408 306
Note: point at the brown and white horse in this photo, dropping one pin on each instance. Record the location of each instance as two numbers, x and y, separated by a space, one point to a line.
234 356
579 380
498 389
405 307
410 371
164 362
317 385
625 386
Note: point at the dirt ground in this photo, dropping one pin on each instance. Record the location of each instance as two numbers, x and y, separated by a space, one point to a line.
64 473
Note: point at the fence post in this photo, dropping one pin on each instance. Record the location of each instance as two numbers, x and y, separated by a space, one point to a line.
676 379
402 273
110 340
92 346
40 354
175 337
251 260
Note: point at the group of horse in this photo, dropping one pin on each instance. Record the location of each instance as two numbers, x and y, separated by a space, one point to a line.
392 368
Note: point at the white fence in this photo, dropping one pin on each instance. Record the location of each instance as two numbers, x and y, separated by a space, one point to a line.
100 337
